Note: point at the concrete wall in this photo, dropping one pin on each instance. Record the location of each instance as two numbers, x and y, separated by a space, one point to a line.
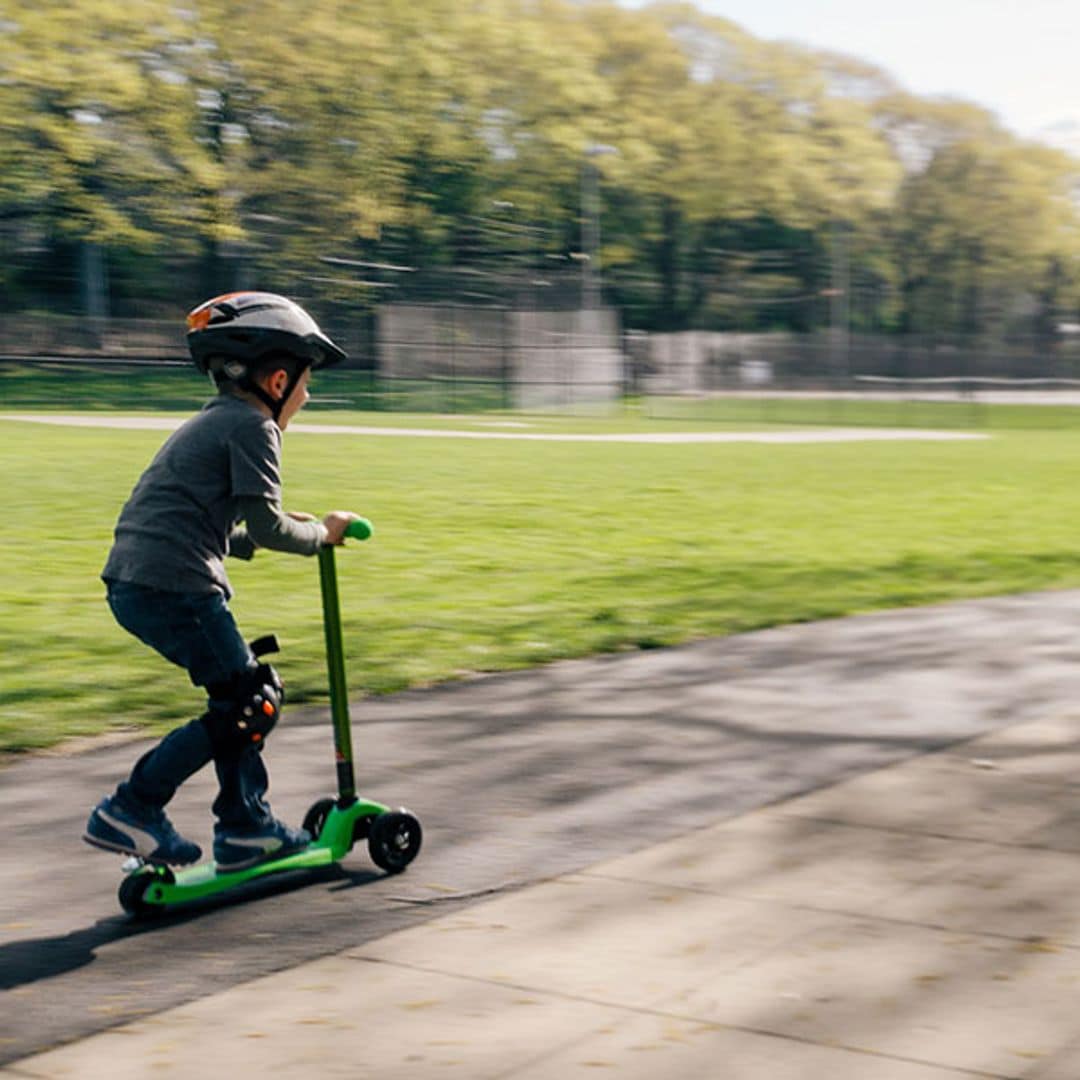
544 357
565 357
418 341
701 361
695 361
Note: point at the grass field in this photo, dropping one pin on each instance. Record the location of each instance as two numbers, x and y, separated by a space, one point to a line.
496 555
63 386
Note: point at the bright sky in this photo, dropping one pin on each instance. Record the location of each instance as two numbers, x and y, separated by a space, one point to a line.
1019 59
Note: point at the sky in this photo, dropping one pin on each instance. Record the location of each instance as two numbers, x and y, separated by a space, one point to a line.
1018 58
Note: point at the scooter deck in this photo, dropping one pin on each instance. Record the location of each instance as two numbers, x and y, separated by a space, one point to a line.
167 886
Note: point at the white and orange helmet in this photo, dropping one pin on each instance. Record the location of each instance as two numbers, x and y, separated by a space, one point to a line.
229 335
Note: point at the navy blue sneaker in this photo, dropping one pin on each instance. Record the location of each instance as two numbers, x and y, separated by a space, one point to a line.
147 833
236 849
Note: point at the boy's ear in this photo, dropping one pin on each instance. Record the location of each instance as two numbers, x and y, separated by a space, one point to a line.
276 381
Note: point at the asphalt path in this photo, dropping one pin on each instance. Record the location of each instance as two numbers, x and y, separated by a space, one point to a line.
516 778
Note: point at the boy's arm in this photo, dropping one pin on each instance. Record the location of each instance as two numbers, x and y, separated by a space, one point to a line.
269 527
241 546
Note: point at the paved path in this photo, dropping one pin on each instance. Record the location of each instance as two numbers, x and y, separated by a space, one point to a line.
775 851
916 923
826 435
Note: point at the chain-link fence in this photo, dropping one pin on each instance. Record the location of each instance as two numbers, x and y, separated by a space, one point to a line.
405 357
452 358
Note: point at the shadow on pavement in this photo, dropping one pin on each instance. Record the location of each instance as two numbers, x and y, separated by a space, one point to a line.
30 960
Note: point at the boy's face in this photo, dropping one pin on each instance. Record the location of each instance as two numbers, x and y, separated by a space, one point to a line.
297 399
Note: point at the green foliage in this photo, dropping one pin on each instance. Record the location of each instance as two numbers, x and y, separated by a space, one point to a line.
264 138
97 122
983 213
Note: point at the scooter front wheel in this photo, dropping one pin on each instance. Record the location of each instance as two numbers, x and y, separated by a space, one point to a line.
315 818
394 840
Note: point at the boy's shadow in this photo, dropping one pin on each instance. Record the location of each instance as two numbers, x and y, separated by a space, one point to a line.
24 962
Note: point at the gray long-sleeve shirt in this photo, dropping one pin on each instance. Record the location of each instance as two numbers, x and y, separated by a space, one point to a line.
220 468
265 525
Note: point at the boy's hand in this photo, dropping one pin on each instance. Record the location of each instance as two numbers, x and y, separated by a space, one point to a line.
336 522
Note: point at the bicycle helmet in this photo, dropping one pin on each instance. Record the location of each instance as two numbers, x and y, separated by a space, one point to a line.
231 336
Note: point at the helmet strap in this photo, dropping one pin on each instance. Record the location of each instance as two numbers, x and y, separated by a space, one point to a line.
290 388
275 405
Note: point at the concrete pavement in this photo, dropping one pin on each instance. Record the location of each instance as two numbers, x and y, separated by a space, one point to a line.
917 922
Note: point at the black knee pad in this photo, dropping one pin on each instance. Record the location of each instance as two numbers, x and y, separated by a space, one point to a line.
254 706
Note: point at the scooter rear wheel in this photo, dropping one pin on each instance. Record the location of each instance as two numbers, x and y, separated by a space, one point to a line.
133 890
394 840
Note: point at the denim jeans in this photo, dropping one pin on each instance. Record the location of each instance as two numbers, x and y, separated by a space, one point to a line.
199 634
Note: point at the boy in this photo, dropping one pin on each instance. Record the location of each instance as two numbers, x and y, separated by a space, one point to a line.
167 584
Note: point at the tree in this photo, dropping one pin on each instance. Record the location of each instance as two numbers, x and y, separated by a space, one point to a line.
96 128
343 151
987 220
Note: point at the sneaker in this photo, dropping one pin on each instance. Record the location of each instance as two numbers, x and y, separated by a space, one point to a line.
147 833
237 849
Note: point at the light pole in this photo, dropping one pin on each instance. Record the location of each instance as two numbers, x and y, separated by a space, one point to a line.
590 225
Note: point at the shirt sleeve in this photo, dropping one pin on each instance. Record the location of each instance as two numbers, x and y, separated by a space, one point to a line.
255 460
241 546
268 527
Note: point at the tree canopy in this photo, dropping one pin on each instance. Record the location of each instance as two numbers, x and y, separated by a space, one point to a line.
352 152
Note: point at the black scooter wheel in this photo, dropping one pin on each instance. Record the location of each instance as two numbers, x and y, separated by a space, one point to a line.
394 840
133 890
315 818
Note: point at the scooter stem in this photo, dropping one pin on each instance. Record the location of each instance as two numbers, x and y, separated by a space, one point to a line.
335 664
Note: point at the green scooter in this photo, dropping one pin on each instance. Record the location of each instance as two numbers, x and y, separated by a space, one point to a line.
336 824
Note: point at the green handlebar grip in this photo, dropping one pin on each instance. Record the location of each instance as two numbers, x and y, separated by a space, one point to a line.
359 529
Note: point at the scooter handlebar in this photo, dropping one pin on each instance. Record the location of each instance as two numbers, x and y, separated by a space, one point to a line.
359 529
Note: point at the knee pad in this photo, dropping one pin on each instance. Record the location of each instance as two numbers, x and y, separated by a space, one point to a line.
249 708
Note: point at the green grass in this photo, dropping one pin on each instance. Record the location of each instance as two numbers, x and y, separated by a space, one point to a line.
496 555
64 386
900 411
74 384
631 415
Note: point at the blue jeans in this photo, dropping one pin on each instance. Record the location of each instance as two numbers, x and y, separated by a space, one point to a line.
199 634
